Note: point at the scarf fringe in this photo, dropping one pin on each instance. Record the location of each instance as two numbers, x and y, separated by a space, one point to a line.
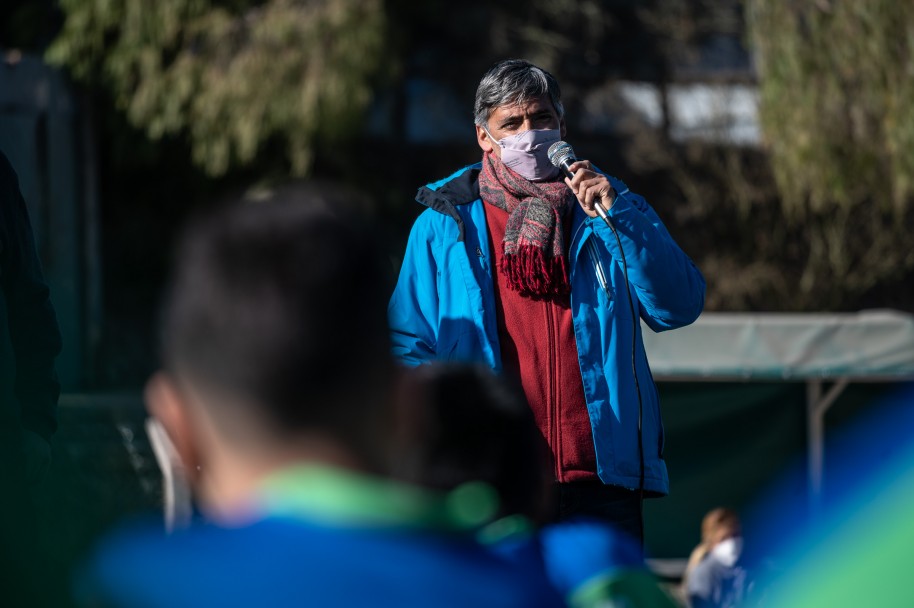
532 273
534 261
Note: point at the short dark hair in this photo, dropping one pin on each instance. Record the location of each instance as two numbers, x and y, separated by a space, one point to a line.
464 423
514 81
283 305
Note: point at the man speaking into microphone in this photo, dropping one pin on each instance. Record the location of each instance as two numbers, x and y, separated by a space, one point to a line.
512 265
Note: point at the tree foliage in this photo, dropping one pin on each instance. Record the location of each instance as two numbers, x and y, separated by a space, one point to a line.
817 219
231 76
836 82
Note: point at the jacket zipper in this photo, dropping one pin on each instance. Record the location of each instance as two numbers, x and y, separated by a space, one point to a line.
552 407
598 268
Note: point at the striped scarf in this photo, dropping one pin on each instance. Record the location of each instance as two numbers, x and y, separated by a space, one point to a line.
534 262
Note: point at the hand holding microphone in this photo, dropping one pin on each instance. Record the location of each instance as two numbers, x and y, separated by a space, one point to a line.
592 189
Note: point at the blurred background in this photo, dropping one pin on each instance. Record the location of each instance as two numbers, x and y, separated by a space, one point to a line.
776 140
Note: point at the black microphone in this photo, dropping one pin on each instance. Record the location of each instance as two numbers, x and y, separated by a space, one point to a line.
561 155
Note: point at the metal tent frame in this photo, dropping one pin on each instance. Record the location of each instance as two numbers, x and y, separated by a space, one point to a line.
825 351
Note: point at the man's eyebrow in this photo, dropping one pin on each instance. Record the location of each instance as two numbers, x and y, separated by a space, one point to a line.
520 114
510 118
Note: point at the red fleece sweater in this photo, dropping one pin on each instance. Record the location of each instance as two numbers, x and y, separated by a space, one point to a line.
538 345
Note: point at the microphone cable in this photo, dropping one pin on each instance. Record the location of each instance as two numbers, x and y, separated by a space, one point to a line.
562 156
631 306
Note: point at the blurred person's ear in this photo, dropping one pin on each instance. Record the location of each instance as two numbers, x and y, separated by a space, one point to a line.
167 404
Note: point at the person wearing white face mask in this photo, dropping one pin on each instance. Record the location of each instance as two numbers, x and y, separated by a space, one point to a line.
511 266
526 153
714 578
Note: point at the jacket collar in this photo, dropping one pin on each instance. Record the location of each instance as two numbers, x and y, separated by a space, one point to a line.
343 497
445 195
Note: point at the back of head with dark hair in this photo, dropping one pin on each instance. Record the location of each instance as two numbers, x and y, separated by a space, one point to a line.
462 423
281 305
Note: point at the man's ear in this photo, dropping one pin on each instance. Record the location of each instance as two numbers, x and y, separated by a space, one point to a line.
485 142
166 403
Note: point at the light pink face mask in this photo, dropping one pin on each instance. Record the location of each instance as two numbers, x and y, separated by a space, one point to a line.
526 153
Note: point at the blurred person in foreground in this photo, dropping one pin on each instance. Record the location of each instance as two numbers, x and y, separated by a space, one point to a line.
713 577
275 392
463 430
29 344
511 266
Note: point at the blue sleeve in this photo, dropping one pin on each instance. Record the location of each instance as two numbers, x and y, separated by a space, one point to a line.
700 586
669 287
413 308
578 550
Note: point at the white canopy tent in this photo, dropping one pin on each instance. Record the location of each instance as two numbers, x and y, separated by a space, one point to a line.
822 350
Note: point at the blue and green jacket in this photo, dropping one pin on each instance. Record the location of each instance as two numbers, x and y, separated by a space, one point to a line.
314 536
443 307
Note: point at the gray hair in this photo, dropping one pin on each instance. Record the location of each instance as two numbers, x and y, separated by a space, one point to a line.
514 81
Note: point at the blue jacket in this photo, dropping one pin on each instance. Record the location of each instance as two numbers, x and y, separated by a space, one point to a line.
319 537
443 307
